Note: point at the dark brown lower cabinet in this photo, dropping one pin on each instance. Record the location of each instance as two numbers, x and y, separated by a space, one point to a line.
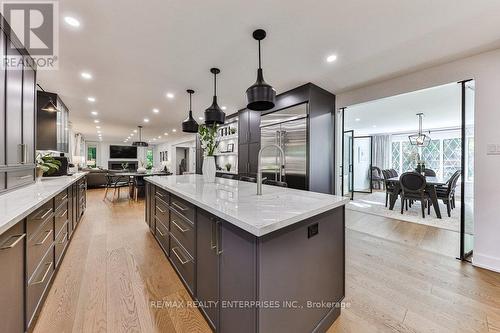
12 247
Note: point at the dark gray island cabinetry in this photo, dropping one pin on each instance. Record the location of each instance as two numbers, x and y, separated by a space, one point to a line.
270 263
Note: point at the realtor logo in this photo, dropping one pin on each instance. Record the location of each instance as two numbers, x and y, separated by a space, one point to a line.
35 23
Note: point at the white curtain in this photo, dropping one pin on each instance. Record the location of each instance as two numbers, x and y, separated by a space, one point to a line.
382 151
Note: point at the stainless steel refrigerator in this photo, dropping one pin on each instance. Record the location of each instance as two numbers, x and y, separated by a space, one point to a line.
286 128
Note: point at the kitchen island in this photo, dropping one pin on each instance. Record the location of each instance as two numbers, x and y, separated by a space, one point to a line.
269 263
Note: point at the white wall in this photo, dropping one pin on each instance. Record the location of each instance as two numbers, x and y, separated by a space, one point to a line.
185 142
485 69
103 153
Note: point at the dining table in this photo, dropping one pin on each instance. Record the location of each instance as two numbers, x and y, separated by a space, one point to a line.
432 183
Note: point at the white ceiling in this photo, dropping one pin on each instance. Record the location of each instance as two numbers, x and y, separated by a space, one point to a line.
397 114
139 50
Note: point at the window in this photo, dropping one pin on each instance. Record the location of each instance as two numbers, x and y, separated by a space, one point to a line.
91 155
149 159
443 154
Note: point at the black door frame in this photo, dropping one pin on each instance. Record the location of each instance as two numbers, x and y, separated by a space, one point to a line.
343 152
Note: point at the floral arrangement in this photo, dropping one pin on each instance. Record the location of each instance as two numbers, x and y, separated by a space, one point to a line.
208 138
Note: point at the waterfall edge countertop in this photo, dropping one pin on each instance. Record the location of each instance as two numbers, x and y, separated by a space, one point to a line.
18 204
238 203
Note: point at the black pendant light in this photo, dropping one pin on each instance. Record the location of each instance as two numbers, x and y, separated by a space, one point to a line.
190 125
140 143
214 114
50 106
260 96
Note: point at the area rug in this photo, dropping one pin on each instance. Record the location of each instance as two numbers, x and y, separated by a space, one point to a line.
374 204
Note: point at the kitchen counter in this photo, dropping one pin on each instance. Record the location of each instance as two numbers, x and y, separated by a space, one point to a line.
237 202
18 204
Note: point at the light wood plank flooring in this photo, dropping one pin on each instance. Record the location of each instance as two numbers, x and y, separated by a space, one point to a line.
114 268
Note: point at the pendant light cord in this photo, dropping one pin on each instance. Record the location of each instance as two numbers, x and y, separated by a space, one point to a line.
190 94
215 84
259 57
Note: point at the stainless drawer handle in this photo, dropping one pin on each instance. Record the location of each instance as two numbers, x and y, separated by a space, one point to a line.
14 243
217 238
62 215
178 257
160 194
46 213
179 206
24 177
178 226
49 266
161 233
161 210
64 238
64 198
213 234
49 232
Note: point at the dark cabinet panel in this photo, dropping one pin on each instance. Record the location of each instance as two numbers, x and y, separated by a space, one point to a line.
243 129
12 246
52 127
253 156
14 102
207 265
243 167
253 126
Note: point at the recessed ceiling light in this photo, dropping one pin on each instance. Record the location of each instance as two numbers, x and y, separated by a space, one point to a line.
72 21
200 118
331 58
156 110
94 113
146 120
170 95
99 132
96 121
86 75
98 127
174 130
91 99
154 139
135 131
357 119
131 134
223 107
159 136
374 126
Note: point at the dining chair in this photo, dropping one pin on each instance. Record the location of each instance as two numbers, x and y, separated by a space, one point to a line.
413 187
429 173
248 179
274 183
377 177
138 183
389 186
115 182
393 173
447 194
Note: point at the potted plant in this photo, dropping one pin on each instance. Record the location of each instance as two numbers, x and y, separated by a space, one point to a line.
228 166
141 168
209 143
45 164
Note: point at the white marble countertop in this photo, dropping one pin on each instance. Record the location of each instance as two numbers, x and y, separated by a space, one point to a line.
17 204
237 201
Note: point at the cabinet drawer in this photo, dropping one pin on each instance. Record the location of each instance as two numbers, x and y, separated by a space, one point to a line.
38 283
61 198
162 235
183 263
61 243
36 219
162 194
61 219
183 232
161 212
182 207
19 178
38 245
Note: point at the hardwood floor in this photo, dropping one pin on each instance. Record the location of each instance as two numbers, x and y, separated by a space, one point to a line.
114 269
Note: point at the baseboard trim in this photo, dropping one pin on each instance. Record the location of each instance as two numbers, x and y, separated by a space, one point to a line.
486 262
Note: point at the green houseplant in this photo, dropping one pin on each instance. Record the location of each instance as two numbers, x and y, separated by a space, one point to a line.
209 143
46 164
228 166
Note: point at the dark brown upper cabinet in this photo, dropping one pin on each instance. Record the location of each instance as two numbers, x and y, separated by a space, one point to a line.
52 127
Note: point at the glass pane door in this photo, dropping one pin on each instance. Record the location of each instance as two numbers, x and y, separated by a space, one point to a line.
347 164
467 185
362 164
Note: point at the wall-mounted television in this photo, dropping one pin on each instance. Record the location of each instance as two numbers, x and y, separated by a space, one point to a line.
122 152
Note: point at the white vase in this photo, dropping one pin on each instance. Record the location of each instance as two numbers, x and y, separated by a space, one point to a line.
208 169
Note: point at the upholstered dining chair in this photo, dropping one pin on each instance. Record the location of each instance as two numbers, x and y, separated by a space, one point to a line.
413 187
429 173
389 186
447 194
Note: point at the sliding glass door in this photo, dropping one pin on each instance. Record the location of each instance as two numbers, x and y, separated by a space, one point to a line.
362 164
347 164
467 163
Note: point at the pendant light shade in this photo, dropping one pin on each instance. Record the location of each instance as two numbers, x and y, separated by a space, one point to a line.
260 96
189 125
214 114
420 139
50 106
140 143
